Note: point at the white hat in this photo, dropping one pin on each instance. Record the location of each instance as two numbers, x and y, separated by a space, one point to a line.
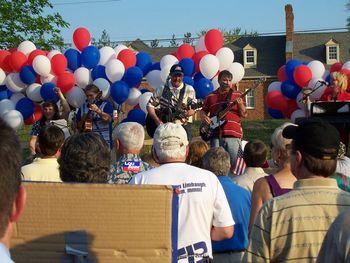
170 136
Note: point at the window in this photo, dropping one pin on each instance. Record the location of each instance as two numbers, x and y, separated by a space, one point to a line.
250 99
332 52
249 56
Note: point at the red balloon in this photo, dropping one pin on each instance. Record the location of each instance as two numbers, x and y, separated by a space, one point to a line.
275 100
197 58
127 57
292 106
35 53
59 64
65 81
184 51
281 73
35 116
336 67
18 60
213 40
302 75
81 38
4 60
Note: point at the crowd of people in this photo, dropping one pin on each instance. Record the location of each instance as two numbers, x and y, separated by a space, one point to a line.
278 210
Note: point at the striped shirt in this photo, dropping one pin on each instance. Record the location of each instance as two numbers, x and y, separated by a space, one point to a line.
291 227
217 101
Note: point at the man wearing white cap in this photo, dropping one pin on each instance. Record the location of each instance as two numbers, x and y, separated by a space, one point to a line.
204 212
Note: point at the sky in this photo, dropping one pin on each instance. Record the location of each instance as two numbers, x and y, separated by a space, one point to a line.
127 20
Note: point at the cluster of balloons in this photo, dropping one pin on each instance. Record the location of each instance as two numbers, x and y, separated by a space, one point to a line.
284 97
28 75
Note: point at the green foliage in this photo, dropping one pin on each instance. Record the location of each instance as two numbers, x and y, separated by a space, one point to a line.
104 40
230 35
154 43
173 42
25 20
187 38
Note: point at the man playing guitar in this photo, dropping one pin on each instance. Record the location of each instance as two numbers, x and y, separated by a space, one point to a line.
229 134
173 95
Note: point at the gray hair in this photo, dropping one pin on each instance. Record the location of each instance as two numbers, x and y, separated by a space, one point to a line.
131 135
217 160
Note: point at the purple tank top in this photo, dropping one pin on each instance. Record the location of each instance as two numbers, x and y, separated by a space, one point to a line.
276 190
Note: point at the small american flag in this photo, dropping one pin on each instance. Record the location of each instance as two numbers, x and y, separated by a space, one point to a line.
239 166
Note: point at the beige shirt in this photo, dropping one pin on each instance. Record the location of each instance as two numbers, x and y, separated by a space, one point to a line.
249 177
42 170
291 227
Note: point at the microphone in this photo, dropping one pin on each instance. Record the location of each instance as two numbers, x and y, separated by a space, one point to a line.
323 82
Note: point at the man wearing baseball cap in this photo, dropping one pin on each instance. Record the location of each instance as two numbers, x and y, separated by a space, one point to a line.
204 212
173 100
292 226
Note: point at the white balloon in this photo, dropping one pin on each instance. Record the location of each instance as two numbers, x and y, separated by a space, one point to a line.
2 77
16 97
299 101
33 92
346 65
276 85
115 70
237 71
75 97
215 82
42 65
82 77
106 54
319 88
134 95
5 106
48 78
225 57
119 48
200 45
317 68
164 73
154 79
13 82
103 86
14 119
297 114
143 100
52 53
168 60
209 66
26 47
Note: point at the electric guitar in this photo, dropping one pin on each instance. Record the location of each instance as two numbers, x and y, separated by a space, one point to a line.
207 130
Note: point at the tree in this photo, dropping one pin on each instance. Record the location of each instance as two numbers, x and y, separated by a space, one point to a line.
232 34
25 20
104 40
173 42
187 38
154 43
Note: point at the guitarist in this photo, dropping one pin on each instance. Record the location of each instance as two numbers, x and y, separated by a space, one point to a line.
173 93
97 112
229 134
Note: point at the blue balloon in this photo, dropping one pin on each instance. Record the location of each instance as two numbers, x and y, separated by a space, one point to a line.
188 66
73 58
143 61
133 76
9 93
290 89
203 87
328 78
98 72
198 76
119 91
3 87
137 115
276 114
28 75
155 66
144 91
3 95
26 107
188 80
290 66
90 57
47 92
147 69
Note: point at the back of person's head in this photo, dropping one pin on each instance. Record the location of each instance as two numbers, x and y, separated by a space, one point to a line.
131 135
318 143
255 153
196 151
342 80
85 158
282 144
217 160
170 142
50 139
10 173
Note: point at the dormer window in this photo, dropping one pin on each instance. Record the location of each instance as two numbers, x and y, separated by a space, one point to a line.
332 52
249 56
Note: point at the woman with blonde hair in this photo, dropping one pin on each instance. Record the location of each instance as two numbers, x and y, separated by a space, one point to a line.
337 89
279 183
196 151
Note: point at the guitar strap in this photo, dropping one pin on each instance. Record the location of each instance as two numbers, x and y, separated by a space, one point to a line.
223 106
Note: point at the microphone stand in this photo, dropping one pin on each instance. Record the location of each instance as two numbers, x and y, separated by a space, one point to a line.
306 97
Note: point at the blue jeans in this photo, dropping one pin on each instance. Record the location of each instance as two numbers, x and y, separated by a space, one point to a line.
230 144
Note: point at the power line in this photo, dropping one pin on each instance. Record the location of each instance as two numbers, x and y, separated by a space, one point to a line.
85 2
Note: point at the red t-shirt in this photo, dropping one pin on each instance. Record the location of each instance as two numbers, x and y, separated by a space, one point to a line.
213 102
327 95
